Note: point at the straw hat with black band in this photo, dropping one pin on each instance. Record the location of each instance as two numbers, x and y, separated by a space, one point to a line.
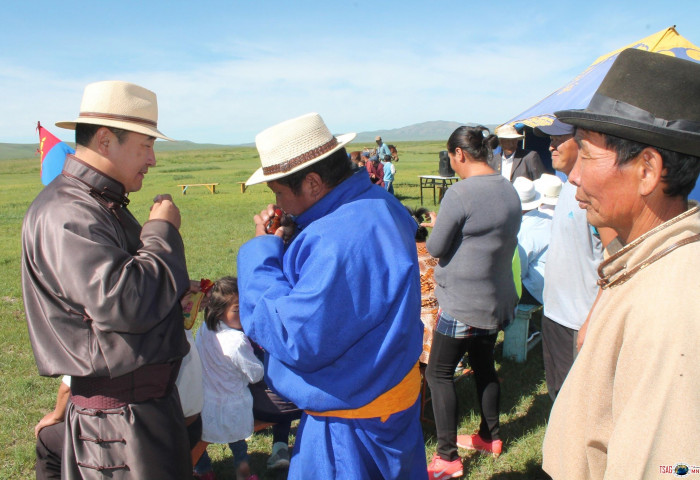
118 104
293 145
647 97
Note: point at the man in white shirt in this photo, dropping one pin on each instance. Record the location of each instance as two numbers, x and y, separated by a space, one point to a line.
575 251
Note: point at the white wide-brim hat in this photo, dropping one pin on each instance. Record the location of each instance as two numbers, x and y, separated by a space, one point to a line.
508 131
120 105
530 198
293 145
550 187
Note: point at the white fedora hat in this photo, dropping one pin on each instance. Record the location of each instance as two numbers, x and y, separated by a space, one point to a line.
508 131
293 145
530 198
550 187
120 105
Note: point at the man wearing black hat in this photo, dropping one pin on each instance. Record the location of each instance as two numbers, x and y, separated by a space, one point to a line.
629 407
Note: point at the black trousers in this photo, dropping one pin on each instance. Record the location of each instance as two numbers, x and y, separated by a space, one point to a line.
270 407
558 353
445 354
49 449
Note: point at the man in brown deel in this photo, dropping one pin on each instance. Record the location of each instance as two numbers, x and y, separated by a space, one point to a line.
102 293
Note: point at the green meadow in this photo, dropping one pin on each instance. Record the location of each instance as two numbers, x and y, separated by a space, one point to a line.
213 228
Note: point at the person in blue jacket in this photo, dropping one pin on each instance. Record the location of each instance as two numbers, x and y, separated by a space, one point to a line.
339 324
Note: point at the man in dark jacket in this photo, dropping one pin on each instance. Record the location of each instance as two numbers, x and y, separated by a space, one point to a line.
102 293
513 161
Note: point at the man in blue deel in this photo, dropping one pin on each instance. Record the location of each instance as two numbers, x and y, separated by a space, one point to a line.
340 323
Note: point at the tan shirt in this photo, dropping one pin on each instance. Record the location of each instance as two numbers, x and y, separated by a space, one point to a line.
630 406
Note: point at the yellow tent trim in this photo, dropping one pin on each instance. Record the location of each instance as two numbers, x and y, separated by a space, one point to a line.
663 40
539 121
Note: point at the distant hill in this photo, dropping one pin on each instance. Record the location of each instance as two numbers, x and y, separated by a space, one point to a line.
184 145
9 151
435 130
18 150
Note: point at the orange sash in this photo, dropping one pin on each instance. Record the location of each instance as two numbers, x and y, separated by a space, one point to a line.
395 400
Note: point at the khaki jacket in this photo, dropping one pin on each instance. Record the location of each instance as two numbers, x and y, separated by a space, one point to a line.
630 406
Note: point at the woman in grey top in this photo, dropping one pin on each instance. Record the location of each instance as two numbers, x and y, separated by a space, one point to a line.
474 237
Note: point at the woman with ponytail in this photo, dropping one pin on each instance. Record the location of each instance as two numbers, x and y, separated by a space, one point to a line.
474 238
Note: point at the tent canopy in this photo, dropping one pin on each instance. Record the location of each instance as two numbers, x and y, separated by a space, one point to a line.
578 92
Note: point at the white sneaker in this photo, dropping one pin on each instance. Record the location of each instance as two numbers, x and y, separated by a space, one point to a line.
279 457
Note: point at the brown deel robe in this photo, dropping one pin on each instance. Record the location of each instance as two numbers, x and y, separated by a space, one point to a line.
101 297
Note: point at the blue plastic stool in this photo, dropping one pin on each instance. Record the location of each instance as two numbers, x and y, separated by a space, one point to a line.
515 344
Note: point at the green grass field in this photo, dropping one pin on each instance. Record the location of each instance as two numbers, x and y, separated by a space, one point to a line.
213 228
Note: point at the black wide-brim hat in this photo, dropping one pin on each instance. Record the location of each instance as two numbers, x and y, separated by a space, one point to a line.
646 97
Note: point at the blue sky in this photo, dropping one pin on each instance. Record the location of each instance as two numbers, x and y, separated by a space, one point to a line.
225 70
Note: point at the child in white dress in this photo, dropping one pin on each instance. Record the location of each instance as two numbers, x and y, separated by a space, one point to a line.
229 365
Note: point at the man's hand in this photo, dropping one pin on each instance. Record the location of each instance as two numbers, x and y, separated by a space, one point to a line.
48 420
286 229
59 411
163 208
431 223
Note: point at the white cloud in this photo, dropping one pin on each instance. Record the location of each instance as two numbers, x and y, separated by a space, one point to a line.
226 88
231 101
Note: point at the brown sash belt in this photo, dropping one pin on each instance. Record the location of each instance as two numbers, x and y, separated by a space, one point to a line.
143 384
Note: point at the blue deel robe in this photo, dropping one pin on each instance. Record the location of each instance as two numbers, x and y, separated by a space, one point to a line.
340 323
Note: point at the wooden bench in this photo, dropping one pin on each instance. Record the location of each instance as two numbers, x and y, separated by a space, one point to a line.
243 187
210 186
201 446
515 344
